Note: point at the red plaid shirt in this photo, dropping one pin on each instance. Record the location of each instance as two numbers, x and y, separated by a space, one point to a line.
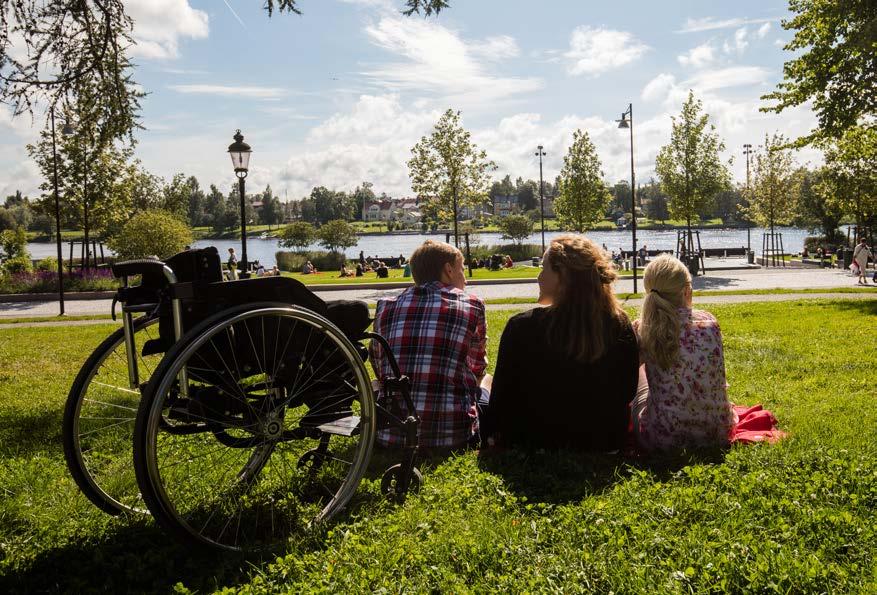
438 334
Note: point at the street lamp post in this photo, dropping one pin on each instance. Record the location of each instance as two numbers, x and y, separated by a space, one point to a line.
240 159
626 121
68 130
540 153
747 150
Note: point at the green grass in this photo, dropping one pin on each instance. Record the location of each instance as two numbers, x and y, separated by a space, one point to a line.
26 319
798 516
395 276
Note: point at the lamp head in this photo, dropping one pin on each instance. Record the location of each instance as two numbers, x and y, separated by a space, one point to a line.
240 153
68 129
623 122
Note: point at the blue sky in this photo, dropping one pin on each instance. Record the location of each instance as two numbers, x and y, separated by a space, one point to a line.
340 94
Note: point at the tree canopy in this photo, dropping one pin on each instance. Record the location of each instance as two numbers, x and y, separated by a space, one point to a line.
689 167
448 171
583 195
516 227
774 192
337 235
298 234
835 66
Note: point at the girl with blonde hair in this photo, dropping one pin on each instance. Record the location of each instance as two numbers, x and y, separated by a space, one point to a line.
687 402
566 373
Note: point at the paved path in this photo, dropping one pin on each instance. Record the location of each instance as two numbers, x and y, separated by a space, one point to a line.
717 280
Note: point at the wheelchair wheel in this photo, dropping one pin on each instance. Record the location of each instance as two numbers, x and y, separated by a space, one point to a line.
272 433
99 415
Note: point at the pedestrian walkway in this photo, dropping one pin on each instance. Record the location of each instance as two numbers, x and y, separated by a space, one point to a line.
527 288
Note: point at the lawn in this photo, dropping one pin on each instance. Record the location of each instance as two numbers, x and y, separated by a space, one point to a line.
395 276
798 516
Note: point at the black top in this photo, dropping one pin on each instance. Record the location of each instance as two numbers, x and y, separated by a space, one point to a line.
543 398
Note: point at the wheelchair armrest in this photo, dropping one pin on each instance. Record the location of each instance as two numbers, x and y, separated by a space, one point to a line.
141 267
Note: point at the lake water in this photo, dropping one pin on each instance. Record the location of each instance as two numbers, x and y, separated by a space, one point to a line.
393 245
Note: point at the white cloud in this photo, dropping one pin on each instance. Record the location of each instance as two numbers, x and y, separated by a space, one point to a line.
658 87
159 25
439 62
496 48
711 24
699 56
780 43
372 141
593 51
739 43
763 31
231 91
725 78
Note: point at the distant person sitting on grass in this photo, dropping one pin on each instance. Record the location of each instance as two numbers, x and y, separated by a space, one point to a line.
345 272
359 269
686 404
438 333
382 271
508 262
308 268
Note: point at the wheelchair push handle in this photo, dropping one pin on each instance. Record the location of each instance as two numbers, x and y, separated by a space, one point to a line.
142 266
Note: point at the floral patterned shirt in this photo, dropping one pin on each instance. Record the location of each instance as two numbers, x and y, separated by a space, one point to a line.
688 403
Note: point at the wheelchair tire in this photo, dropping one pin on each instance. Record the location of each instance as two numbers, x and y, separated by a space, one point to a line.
99 416
391 483
218 465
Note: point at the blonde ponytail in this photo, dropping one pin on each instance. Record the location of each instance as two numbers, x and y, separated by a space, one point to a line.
665 280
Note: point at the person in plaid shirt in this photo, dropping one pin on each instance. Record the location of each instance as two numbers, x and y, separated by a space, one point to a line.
438 334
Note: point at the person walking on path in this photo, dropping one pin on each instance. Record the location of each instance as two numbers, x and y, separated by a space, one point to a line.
860 257
232 265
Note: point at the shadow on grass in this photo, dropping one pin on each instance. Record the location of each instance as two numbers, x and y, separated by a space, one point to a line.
866 307
30 433
141 559
559 477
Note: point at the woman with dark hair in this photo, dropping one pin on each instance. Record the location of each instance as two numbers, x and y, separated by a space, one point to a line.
567 372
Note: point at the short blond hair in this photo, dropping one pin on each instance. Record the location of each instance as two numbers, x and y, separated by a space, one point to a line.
429 260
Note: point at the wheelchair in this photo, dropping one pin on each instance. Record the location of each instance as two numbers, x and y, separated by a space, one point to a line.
237 413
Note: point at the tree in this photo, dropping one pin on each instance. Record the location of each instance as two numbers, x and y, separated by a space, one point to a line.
654 201
528 194
583 196
362 195
516 227
197 202
689 167
728 205
176 197
817 207
151 233
835 64
772 198
298 234
337 234
448 171
501 188
851 173
272 210
70 45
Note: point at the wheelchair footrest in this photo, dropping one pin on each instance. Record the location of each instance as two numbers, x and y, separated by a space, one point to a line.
346 426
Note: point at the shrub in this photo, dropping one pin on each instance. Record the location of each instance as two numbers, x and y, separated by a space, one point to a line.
812 243
151 233
13 243
47 281
49 263
516 227
518 252
19 264
324 261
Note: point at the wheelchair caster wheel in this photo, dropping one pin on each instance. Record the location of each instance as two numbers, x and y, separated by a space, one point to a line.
391 483
312 460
